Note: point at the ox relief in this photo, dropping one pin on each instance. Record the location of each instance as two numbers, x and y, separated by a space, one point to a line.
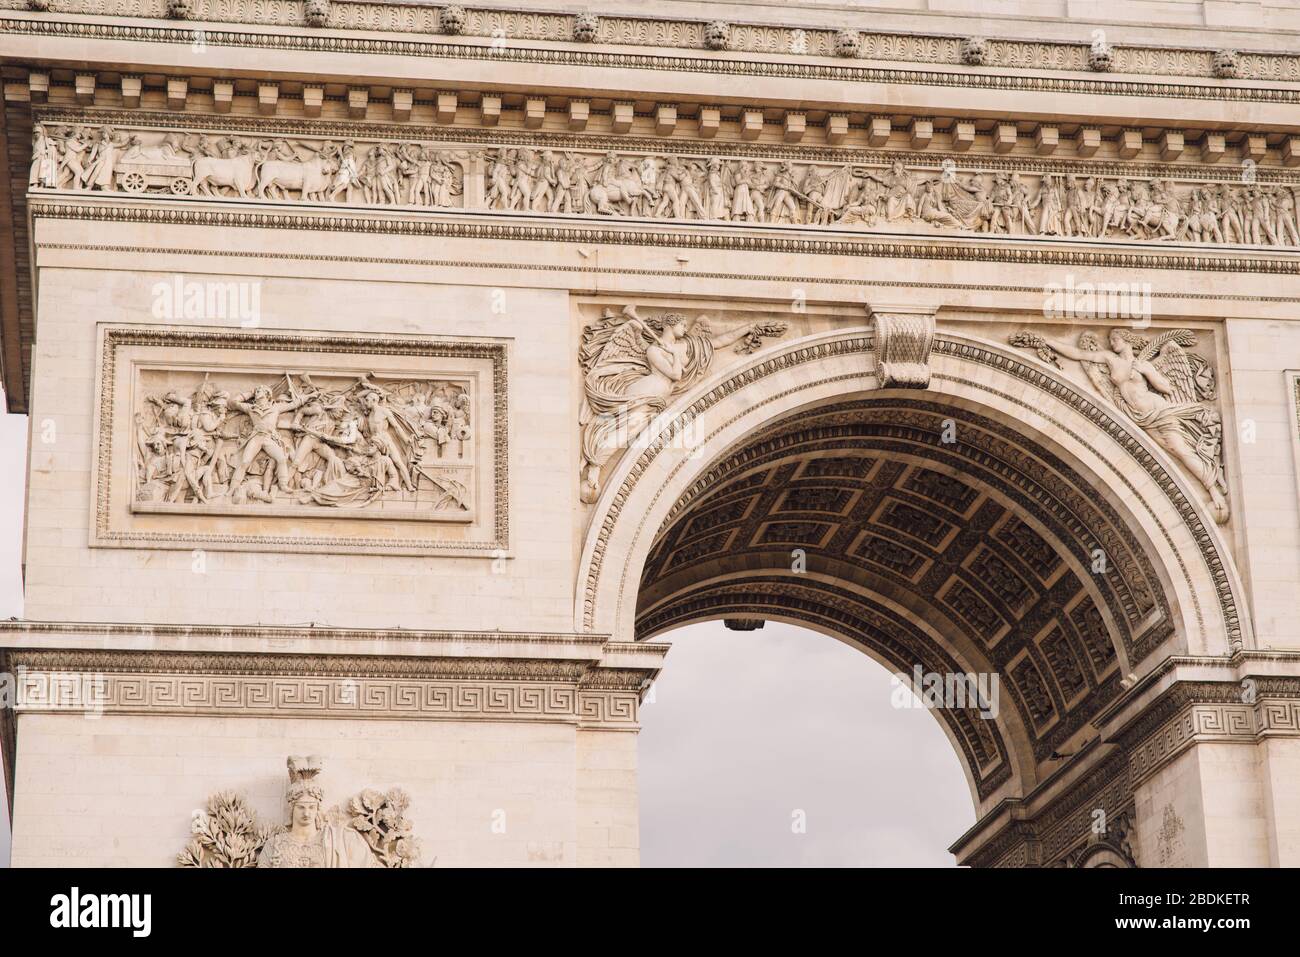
225 442
878 195
321 170
634 366
1161 386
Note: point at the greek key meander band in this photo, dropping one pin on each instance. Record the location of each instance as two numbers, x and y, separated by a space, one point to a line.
320 697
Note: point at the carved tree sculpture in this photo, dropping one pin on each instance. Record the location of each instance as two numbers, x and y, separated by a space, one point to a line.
633 368
226 834
1160 386
371 831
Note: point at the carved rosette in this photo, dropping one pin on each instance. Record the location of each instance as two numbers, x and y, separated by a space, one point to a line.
180 9
903 340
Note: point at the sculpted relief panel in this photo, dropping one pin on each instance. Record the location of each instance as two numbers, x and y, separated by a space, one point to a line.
370 830
1162 386
261 443
634 366
1252 208
138 161
267 439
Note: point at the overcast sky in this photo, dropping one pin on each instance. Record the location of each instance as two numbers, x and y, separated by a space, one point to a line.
777 747
750 733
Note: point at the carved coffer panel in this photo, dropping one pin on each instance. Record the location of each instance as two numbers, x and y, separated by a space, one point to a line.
285 441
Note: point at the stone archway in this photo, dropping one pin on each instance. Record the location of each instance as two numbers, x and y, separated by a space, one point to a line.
997 522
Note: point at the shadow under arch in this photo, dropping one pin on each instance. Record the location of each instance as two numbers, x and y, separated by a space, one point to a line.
969 555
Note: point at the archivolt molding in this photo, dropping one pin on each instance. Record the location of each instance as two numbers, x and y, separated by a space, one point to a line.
798 47
907 431
1064 833
830 483
780 358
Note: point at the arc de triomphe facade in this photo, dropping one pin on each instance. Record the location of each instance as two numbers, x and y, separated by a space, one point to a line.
399 374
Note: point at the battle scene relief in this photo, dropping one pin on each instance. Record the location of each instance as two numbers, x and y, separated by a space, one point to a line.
222 441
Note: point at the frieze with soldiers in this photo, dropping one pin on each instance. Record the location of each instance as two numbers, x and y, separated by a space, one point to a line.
399 447
518 178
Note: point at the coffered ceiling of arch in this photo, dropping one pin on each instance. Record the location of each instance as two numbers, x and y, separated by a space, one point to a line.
989 537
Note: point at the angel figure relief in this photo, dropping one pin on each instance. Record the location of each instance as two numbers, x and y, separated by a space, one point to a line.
1162 387
633 367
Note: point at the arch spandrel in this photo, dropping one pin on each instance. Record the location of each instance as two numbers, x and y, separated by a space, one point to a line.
1037 469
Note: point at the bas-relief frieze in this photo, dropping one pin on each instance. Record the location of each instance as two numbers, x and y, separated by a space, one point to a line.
876 197
200 442
262 443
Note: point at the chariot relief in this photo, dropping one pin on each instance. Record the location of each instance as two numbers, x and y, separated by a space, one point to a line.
632 369
370 830
230 441
682 187
1162 387
83 157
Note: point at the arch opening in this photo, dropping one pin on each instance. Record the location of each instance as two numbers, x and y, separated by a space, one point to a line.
997 526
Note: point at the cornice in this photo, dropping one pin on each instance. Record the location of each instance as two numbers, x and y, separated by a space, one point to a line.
461 643
809 45
101 662
710 65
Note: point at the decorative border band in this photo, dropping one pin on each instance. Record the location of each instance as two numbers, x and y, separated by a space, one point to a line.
1019 250
719 65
